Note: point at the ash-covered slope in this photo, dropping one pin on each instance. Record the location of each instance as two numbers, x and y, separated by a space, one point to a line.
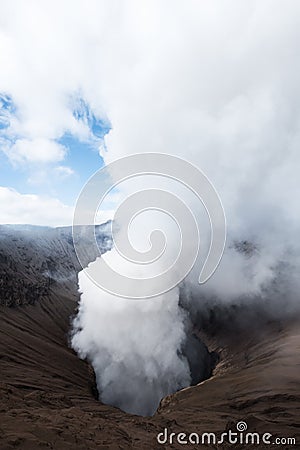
32 259
48 397
47 393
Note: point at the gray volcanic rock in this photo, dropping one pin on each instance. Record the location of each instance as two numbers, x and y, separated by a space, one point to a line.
47 394
34 258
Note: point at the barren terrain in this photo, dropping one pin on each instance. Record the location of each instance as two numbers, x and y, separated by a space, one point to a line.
48 395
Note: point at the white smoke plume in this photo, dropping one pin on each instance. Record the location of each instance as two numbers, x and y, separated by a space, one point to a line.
216 85
133 346
213 82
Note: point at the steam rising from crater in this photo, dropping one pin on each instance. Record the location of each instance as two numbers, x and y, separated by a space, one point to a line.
134 346
216 86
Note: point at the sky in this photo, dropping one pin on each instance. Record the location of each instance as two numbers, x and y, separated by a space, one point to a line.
216 83
51 136
83 83
42 176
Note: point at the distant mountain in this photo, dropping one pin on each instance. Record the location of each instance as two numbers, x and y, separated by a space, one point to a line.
34 258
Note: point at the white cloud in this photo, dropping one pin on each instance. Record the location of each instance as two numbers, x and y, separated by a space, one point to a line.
214 82
64 171
37 151
32 209
49 176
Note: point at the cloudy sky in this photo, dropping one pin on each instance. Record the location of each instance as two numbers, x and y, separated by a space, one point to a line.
215 82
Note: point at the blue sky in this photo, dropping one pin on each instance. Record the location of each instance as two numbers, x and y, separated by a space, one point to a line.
215 86
62 179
